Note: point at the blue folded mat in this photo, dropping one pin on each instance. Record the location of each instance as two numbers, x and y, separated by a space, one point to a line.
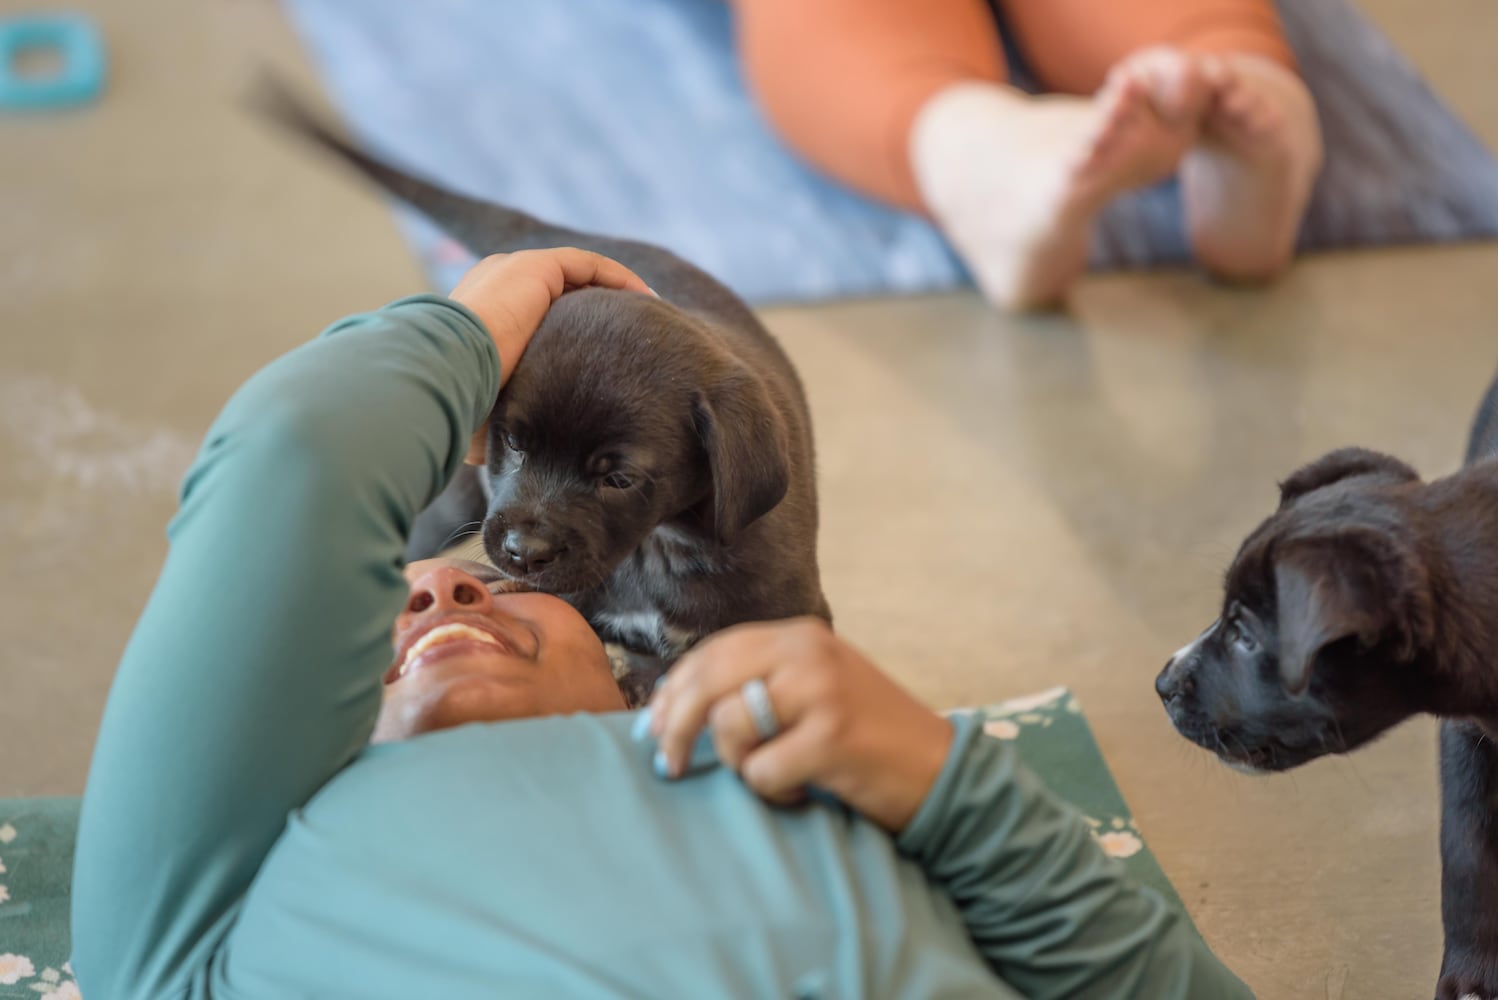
631 119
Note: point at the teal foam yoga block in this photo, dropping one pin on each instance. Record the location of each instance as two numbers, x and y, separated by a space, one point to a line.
80 50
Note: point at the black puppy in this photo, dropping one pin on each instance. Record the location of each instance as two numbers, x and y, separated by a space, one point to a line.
1370 596
651 461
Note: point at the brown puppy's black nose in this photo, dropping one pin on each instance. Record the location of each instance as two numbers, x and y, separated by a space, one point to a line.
528 553
1172 683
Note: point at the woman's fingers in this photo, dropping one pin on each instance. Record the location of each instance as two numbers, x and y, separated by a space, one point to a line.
780 769
581 268
841 726
511 293
734 732
788 655
717 668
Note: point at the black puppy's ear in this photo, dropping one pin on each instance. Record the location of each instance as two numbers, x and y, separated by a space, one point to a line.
1358 583
746 442
1342 464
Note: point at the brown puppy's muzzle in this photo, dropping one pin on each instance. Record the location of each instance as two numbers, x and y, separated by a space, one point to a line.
526 552
526 548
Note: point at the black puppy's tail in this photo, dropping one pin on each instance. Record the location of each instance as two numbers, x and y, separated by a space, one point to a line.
484 228
480 226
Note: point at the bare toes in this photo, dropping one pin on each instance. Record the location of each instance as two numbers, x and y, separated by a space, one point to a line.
1119 111
1182 95
1241 117
1216 72
1174 81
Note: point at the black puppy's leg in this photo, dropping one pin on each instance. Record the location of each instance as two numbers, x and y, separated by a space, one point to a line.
1483 441
1469 861
635 673
458 510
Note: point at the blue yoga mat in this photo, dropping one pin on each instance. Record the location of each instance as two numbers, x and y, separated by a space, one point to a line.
631 119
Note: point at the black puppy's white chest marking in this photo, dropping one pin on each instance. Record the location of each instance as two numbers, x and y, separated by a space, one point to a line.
646 629
671 552
653 575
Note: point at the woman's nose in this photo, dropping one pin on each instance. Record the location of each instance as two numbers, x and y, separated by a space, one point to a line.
446 588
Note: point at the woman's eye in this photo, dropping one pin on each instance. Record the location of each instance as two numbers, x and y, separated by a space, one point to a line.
617 481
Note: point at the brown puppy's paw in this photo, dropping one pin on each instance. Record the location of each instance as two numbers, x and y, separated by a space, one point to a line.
635 673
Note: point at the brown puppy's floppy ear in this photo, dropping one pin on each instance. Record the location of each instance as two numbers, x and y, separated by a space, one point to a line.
1358 582
478 449
746 443
1341 464
478 445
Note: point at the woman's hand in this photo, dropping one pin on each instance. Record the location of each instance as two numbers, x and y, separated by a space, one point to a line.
511 292
843 725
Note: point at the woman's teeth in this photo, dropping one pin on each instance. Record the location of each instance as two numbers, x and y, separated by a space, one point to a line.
440 635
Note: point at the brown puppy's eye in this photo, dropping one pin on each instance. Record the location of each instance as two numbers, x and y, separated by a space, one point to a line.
617 481
512 442
1239 636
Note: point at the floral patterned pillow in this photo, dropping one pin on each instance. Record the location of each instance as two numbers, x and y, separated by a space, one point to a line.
36 857
1054 740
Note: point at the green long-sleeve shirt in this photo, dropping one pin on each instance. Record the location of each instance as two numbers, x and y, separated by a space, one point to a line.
239 838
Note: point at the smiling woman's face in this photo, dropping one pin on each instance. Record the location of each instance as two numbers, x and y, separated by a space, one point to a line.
466 654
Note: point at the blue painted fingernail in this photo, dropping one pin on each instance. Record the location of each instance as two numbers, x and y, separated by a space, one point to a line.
640 731
661 765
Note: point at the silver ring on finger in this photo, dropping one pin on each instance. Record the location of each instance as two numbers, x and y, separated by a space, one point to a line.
757 700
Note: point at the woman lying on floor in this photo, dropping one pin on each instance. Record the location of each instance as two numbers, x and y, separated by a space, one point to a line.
503 835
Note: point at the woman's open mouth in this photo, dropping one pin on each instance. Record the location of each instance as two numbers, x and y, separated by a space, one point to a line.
451 638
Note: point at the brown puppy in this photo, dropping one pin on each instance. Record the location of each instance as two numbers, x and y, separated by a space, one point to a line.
1367 597
650 462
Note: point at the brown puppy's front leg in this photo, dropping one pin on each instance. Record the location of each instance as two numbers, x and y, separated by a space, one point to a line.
635 673
1469 861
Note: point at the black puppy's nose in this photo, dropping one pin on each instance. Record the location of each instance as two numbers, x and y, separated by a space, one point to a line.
1164 686
1172 682
528 553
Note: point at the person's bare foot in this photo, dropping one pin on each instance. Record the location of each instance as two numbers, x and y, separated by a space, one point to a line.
1175 81
1015 181
1246 183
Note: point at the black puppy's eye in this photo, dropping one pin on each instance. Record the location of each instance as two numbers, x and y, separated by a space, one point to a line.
617 481
1239 636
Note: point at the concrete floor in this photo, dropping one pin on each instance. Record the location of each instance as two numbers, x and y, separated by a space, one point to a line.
1009 504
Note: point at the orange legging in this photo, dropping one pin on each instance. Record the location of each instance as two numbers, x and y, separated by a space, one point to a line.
842 80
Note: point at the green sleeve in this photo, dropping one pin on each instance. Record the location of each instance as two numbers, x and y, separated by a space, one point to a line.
1051 913
253 674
